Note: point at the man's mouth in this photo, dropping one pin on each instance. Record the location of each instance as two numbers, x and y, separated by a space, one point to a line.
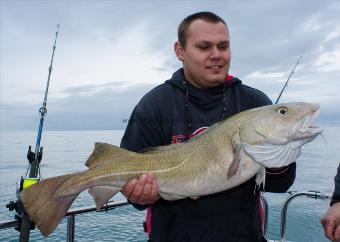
215 67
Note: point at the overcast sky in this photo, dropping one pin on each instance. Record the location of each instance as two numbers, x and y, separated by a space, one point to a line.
110 53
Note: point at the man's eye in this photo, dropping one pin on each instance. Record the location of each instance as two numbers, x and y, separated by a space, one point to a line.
203 47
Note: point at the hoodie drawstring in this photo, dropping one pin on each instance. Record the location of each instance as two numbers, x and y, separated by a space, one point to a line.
187 112
187 109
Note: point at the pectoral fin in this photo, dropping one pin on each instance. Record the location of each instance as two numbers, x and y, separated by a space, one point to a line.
235 164
102 194
261 178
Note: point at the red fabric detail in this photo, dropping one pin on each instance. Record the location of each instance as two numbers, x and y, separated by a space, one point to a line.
178 139
228 77
261 209
198 131
148 221
181 138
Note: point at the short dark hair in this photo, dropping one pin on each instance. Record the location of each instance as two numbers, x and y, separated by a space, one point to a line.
206 16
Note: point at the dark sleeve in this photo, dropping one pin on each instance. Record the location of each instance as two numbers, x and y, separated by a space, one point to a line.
143 131
262 99
279 180
336 194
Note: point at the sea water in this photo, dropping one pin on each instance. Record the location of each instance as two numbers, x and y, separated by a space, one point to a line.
66 152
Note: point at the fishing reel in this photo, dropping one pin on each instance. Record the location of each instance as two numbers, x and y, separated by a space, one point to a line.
31 155
19 207
24 183
20 213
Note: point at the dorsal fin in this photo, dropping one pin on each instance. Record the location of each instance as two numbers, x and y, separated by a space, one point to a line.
103 152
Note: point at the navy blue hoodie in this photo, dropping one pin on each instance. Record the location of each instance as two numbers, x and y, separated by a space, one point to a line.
160 118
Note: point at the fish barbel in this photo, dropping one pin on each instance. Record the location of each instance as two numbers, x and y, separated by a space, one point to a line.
223 156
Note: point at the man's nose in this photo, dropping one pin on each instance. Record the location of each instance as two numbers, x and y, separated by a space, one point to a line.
215 53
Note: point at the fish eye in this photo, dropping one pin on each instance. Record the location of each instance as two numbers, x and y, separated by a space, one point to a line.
282 110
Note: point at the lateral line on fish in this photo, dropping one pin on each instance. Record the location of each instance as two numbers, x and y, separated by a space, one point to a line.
155 171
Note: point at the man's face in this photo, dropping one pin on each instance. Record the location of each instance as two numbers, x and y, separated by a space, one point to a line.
206 55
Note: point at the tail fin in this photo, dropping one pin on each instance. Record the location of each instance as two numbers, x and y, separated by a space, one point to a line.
43 206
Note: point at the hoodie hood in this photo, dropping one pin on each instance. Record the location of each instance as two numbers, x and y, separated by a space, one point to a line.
201 98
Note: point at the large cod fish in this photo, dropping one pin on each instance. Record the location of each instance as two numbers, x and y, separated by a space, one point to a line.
223 156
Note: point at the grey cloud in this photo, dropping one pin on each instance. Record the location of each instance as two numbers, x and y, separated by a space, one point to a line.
276 40
104 110
266 36
75 90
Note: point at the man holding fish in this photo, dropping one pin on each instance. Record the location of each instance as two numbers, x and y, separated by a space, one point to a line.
208 187
197 96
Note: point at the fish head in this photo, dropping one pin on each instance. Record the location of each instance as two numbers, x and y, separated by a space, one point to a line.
281 123
273 135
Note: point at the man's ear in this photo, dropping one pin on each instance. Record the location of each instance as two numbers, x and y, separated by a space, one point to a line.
179 50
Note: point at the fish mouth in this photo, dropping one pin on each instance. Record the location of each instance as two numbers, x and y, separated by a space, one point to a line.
306 128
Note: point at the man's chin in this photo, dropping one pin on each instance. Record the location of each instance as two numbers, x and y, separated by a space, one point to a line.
212 83
218 79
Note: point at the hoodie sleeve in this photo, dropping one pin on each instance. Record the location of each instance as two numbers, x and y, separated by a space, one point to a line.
280 180
144 128
336 194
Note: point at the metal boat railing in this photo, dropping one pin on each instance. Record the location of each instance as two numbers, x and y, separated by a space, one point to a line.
73 212
71 217
114 204
309 194
265 220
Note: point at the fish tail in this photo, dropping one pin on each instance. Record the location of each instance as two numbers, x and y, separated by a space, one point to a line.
43 204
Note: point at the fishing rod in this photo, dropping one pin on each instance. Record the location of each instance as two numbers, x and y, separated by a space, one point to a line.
42 111
34 159
286 84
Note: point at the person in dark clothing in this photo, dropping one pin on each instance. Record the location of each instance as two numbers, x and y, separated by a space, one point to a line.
197 96
331 220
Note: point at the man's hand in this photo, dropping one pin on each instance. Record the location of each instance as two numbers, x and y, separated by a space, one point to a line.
331 222
142 191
